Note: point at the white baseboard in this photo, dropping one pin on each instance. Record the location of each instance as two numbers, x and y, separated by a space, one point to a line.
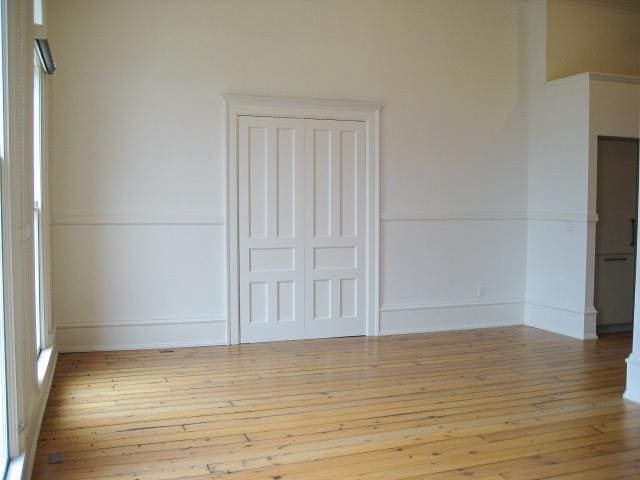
561 320
31 441
120 336
631 396
453 316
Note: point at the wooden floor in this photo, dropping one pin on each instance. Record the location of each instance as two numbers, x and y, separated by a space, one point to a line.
506 403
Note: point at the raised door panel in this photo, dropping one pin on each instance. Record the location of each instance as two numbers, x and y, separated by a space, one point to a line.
271 228
614 292
617 196
335 195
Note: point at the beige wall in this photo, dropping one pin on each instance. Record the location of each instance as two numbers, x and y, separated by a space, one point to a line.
592 37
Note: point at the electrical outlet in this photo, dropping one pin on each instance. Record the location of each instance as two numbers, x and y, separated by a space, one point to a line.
481 291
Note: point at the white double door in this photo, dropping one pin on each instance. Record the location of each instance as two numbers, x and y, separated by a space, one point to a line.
301 228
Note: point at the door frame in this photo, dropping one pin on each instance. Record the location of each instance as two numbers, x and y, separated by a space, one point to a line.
591 322
236 106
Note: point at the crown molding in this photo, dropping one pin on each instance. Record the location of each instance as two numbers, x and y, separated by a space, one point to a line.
589 76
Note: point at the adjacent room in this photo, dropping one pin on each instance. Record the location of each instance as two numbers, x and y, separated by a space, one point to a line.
319 239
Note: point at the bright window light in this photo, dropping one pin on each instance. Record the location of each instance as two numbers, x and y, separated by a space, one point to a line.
38 15
4 434
37 198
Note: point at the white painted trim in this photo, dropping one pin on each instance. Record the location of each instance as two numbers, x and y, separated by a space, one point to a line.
580 77
438 305
587 76
372 243
451 316
46 277
153 219
231 245
88 338
632 392
238 105
564 320
140 322
449 215
489 216
13 362
540 302
14 146
142 346
631 396
588 217
448 328
32 439
15 470
44 362
610 77
308 106
150 219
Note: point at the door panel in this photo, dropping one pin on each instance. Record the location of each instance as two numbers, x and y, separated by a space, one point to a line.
271 228
335 166
617 196
614 288
301 228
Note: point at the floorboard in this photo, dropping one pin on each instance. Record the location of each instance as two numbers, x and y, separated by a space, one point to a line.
510 403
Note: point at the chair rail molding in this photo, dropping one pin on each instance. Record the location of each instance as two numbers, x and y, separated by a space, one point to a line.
143 219
507 215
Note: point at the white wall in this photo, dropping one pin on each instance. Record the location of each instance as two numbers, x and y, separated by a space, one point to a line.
432 269
566 118
557 196
632 391
138 167
557 238
614 110
559 219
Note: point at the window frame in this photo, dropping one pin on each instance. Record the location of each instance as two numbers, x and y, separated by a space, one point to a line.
46 328
10 80
5 427
38 128
39 13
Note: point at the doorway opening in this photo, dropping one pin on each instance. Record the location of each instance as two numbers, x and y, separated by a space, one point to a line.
616 233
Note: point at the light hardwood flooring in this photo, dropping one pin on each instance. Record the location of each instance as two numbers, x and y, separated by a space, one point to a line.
497 404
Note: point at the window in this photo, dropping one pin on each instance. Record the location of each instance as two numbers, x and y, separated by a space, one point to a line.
38 14
38 84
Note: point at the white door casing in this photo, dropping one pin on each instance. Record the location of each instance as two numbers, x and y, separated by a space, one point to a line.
271 174
236 106
616 203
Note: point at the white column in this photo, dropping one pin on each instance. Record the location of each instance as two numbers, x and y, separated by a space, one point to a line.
633 362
